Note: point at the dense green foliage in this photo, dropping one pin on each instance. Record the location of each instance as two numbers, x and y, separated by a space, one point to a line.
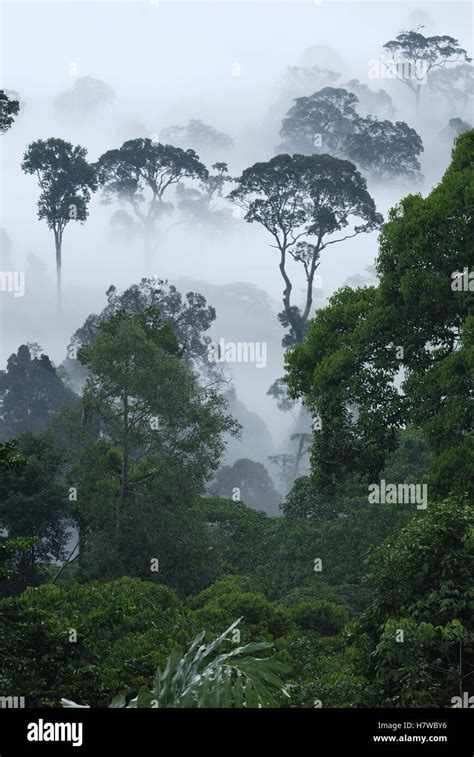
91 641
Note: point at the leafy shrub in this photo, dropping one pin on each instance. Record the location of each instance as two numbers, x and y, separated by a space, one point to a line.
230 597
124 629
318 615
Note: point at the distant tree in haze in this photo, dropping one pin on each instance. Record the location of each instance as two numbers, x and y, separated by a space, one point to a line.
84 99
254 485
123 228
8 109
302 201
66 181
328 122
140 174
198 204
386 150
320 122
371 103
412 57
456 86
455 127
31 393
279 391
196 135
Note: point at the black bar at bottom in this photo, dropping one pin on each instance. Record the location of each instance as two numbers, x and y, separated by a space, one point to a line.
141 732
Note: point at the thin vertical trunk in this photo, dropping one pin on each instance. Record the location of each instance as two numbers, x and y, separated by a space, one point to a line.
309 287
288 287
58 244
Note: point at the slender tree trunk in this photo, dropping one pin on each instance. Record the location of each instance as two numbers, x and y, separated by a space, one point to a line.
309 287
288 286
58 244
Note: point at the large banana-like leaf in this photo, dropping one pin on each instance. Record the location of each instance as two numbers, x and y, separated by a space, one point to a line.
202 678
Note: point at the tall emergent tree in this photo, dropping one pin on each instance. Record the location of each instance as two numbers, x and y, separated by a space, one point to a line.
8 109
161 440
140 173
190 318
302 201
66 181
411 57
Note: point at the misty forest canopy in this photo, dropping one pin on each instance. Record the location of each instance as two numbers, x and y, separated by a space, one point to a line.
155 178
196 578
127 464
